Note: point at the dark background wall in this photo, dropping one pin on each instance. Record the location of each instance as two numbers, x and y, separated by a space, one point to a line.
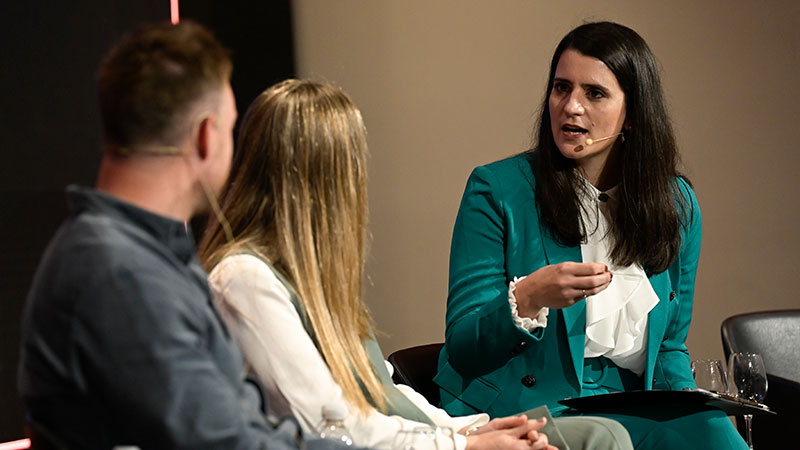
49 121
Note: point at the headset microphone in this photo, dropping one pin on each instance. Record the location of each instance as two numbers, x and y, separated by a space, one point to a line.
591 141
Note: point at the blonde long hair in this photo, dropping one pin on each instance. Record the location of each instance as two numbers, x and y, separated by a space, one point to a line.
297 196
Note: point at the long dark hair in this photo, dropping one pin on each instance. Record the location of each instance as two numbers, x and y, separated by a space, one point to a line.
645 227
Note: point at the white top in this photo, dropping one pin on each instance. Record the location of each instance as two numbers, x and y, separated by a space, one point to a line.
259 311
616 318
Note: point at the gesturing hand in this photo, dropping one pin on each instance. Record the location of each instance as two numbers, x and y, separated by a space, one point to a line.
559 286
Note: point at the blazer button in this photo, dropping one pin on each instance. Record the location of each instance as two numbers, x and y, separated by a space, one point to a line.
518 348
528 381
672 296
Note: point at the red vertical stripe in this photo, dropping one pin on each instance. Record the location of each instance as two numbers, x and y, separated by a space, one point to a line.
173 10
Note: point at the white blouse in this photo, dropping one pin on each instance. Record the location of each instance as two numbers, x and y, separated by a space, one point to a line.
259 311
616 318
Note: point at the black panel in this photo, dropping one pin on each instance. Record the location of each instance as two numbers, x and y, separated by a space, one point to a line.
49 121
259 35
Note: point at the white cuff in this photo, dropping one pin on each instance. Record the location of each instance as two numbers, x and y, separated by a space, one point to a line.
460 441
526 323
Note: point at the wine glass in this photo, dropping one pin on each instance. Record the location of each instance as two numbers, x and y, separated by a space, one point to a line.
748 380
709 374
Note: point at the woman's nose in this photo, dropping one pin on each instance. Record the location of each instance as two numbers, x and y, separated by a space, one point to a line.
574 106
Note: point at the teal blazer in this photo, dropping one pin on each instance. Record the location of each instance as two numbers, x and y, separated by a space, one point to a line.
490 365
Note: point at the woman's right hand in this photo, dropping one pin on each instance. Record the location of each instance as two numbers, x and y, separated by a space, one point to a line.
524 436
498 423
559 286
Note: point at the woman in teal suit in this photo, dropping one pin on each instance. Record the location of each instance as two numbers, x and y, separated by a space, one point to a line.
572 265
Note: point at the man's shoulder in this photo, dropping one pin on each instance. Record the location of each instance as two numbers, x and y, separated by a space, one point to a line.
93 244
95 258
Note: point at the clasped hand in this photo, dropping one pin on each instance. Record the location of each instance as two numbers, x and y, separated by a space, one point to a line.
513 433
559 286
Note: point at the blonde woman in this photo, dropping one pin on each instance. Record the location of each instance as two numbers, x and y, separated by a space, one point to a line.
287 275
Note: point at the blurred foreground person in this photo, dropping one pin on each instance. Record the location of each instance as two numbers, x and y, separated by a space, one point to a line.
121 344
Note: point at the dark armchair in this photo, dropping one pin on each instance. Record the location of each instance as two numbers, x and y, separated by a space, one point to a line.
416 367
776 336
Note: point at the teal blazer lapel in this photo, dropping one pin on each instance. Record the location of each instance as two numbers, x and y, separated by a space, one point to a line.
575 315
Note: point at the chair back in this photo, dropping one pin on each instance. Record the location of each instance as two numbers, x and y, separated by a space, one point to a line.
774 334
416 367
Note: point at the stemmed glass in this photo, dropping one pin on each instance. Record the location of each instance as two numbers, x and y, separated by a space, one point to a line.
709 374
748 380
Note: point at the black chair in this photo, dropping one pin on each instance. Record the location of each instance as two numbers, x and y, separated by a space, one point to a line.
776 336
416 367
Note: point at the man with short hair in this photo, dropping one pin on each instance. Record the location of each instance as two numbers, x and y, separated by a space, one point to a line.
121 345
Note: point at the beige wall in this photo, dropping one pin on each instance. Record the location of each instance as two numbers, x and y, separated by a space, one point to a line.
448 85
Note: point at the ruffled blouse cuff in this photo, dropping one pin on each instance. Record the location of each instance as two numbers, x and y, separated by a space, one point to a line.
526 323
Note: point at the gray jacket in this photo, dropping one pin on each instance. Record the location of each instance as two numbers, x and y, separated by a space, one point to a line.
121 344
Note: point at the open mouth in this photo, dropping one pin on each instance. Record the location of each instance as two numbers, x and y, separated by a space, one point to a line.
574 130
